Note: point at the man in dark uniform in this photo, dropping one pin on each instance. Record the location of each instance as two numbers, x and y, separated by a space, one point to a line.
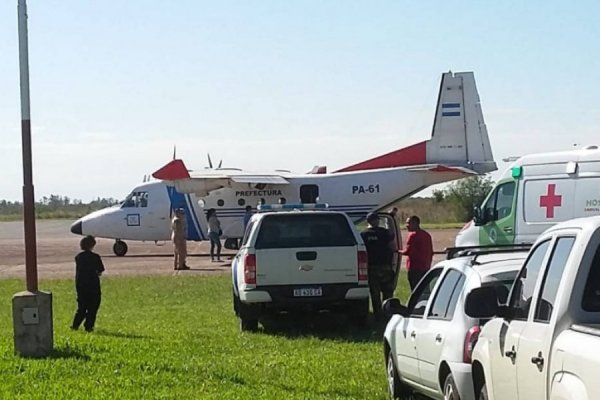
379 243
88 268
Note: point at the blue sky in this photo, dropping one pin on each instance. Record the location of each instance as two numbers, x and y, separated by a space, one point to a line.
282 84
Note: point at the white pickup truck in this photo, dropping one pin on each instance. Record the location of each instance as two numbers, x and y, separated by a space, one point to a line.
545 343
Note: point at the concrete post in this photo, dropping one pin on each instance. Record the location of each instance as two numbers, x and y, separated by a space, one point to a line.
32 321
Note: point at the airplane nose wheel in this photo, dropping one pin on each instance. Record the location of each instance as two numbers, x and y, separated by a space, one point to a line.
120 248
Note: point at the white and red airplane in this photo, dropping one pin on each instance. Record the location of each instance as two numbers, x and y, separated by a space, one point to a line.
459 147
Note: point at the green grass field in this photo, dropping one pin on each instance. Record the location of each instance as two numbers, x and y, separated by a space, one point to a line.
177 337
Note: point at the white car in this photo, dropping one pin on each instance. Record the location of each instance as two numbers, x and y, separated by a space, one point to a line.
428 343
298 258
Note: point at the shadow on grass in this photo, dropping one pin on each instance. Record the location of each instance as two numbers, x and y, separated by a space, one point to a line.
68 352
118 334
329 326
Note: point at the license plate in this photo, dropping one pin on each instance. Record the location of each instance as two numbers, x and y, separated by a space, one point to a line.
308 292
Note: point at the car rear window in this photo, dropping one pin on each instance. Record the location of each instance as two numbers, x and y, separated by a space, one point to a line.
304 230
591 294
503 282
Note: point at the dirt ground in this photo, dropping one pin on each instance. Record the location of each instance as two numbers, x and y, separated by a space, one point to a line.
56 247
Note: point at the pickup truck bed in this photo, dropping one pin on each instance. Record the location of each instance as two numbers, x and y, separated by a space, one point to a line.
575 363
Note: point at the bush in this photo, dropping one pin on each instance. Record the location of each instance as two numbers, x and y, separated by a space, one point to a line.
465 194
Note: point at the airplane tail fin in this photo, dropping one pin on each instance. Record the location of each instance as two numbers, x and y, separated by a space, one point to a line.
459 136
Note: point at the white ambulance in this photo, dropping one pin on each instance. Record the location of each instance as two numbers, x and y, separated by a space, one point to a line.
536 192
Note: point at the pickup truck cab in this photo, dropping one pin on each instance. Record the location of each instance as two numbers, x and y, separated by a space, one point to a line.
300 257
545 342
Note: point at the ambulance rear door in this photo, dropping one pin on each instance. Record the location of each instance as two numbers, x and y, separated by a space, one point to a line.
587 189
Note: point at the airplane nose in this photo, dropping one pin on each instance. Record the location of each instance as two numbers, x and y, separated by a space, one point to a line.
76 228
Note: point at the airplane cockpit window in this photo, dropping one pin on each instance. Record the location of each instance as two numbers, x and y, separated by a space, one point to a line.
136 199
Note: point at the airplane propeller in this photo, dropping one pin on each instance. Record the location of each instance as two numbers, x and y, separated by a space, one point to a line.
210 164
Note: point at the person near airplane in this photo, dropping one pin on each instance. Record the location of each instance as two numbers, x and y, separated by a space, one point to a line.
214 234
179 238
380 248
88 268
418 249
247 216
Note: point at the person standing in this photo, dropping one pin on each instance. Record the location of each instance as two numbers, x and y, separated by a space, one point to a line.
380 249
88 268
179 238
214 234
247 216
419 251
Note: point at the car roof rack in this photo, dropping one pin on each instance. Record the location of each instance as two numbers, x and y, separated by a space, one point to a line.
453 252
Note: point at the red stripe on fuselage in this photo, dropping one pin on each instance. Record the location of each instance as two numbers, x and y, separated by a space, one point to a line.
173 171
411 155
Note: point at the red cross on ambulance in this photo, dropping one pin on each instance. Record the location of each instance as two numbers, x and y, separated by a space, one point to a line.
550 200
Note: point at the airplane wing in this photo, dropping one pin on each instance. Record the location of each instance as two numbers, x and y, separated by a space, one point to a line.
201 183
441 168
264 179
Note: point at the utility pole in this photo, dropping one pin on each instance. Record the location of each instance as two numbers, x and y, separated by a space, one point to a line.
32 309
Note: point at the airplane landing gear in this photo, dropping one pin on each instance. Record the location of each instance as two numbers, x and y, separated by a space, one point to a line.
232 244
120 248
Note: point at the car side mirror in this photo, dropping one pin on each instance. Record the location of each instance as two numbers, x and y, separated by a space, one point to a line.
393 307
482 302
490 214
478 219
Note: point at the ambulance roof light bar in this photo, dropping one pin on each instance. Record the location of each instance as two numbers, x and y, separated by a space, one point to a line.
288 207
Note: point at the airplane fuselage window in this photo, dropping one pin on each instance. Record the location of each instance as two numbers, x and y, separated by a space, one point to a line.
220 202
241 202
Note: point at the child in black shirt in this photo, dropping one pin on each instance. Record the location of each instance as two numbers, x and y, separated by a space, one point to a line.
88 268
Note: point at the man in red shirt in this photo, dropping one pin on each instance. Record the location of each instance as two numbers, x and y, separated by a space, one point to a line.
419 251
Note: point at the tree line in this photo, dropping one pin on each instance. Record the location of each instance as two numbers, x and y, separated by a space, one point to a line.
54 206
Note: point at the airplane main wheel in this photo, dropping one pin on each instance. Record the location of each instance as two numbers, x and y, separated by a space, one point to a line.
232 244
120 248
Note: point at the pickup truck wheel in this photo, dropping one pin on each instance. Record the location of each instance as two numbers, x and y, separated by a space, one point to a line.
483 393
359 314
236 304
397 389
450 389
248 325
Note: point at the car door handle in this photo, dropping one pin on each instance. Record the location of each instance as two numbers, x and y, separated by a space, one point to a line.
511 353
507 229
438 338
413 334
539 360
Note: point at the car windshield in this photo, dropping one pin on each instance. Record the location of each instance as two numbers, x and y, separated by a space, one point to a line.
304 230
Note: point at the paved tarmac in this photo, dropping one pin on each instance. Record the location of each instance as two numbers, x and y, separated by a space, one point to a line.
56 247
